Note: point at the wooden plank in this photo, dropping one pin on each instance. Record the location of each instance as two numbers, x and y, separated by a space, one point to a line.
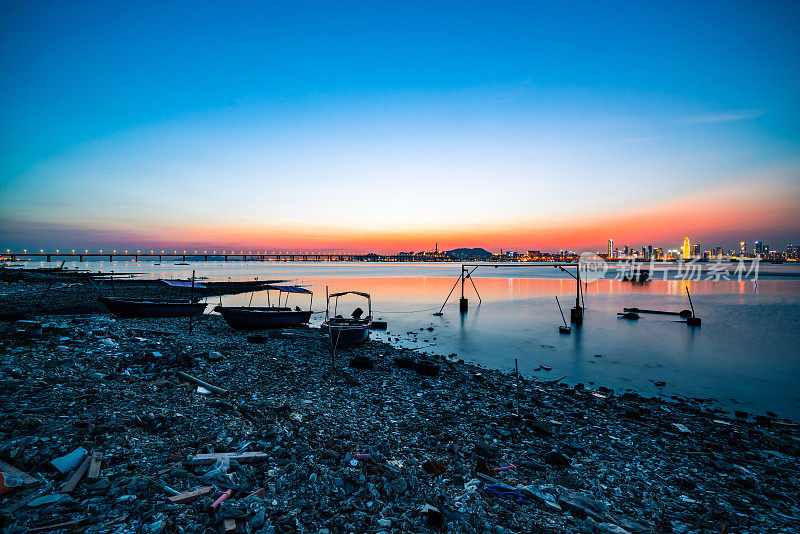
211 387
58 526
260 492
76 476
241 457
27 480
94 465
190 496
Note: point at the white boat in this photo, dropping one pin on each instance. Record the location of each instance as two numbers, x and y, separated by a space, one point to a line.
347 330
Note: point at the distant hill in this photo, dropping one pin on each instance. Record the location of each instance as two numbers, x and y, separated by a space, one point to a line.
469 253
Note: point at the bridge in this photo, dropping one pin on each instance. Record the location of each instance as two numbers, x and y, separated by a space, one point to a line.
241 256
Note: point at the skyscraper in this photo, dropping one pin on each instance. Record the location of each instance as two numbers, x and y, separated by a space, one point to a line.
686 250
610 247
742 248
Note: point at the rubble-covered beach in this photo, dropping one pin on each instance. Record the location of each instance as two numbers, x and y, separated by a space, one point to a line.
105 429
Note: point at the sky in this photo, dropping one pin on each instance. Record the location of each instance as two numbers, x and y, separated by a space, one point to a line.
389 126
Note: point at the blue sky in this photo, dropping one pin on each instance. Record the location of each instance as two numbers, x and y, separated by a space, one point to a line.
193 123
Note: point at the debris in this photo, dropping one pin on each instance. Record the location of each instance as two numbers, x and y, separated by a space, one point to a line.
190 496
76 476
63 525
214 506
241 457
70 461
197 381
27 480
9 483
94 466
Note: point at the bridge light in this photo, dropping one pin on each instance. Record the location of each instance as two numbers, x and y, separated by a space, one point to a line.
56 251
101 251
41 250
126 252
115 252
73 251
86 251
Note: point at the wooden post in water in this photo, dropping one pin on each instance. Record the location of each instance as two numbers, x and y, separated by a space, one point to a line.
463 303
693 320
576 313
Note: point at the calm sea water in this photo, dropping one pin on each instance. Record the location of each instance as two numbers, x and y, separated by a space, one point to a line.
746 354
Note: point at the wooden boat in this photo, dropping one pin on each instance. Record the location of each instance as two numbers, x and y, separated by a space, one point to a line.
133 307
347 330
249 318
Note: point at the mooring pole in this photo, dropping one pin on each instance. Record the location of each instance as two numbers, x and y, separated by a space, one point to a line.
576 313
463 304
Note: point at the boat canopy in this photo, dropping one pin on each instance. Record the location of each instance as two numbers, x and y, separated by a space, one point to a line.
289 289
182 283
365 295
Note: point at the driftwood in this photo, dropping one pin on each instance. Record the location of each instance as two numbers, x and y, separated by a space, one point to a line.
211 387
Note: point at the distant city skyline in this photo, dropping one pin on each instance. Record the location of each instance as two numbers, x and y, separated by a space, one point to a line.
389 126
613 249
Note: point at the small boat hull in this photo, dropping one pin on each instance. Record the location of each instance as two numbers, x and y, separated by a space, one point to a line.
129 308
260 318
346 334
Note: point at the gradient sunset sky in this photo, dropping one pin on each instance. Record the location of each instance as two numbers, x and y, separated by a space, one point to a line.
389 126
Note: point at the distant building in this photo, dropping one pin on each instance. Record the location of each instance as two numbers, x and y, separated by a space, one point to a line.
610 247
742 248
686 250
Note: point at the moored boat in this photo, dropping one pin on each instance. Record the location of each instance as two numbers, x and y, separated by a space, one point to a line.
144 307
347 330
250 318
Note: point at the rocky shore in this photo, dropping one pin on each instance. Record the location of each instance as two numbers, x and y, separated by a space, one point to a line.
102 431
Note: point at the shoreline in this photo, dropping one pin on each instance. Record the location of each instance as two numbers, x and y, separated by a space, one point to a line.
584 459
